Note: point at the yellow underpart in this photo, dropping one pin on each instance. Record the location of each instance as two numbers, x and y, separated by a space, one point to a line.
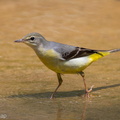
53 61
52 53
96 56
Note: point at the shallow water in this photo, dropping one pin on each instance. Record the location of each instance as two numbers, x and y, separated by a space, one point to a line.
26 84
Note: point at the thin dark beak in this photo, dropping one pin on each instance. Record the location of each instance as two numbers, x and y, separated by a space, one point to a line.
20 40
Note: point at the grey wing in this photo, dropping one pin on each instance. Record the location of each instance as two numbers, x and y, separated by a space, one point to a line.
68 52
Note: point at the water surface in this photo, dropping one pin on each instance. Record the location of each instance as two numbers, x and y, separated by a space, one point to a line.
26 84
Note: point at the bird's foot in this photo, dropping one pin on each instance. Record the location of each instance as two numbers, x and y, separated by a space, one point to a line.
52 96
88 91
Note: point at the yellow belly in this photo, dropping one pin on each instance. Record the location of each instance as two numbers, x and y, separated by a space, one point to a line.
52 60
67 67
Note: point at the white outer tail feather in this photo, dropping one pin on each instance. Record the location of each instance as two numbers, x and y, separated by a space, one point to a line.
114 50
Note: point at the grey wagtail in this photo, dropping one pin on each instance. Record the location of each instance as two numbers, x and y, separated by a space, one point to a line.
62 58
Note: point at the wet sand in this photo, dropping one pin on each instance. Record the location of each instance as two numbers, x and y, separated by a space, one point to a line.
26 84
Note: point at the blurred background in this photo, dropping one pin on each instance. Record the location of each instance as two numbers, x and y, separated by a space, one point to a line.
26 84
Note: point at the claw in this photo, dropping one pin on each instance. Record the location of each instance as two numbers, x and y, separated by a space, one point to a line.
87 91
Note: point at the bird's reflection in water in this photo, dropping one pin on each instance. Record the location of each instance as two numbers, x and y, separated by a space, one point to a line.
63 114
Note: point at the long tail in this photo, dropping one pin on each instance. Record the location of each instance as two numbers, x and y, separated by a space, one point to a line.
102 53
114 50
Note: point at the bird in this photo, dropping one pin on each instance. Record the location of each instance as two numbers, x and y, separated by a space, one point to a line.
63 58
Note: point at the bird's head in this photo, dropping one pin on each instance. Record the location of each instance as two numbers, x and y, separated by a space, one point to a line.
32 39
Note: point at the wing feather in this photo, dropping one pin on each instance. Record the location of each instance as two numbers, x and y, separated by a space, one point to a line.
78 52
68 52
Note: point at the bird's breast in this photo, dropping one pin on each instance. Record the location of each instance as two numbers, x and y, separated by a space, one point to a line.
53 61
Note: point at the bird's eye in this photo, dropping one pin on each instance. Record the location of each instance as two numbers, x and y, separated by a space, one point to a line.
32 38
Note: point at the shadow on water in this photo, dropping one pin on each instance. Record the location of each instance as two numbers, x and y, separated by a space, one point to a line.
62 94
